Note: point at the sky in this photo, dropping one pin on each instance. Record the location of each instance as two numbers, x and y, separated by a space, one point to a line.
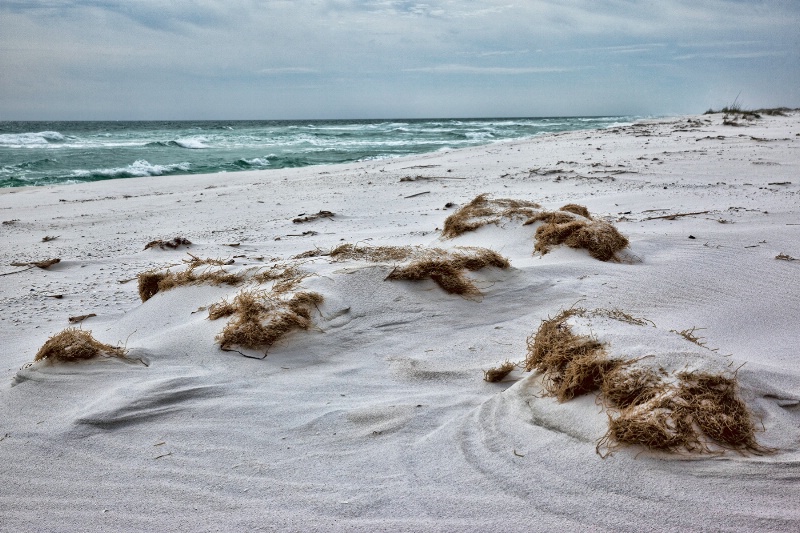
307 59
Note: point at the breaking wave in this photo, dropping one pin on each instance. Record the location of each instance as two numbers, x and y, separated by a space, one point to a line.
137 169
30 139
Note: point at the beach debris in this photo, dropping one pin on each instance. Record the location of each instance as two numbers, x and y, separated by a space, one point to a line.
785 257
428 178
689 335
680 412
10 222
172 244
48 238
483 210
676 215
493 375
47 263
152 281
259 318
310 218
35 264
80 318
418 194
74 344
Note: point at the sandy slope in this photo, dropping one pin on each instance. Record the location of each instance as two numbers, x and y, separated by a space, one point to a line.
378 418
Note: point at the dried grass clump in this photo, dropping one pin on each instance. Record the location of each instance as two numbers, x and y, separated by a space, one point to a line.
446 269
690 412
712 403
601 239
572 365
260 318
286 278
195 261
654 429
550 217
483 211
625 387
148 284
375 254
73 344
493 375
152 282
697 413
577 209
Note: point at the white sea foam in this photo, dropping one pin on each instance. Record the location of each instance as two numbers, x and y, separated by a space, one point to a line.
139 168
257 162
194 143
15 140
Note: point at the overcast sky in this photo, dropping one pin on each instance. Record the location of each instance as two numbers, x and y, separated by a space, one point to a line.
274 59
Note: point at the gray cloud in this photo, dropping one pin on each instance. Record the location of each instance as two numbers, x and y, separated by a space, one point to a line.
279 58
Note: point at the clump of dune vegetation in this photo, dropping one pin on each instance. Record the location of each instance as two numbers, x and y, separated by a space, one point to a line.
152 282
690 411
574 226
73 345
571 364
446 268
571 225
484 210
260 318
498 373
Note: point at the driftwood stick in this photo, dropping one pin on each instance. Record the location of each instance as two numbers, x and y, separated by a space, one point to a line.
676 215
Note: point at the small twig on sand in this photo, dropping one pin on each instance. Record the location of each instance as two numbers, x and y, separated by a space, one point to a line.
418 194
39 264
16 271
676 215
80 318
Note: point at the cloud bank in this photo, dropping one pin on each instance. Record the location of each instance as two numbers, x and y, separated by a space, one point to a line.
259 59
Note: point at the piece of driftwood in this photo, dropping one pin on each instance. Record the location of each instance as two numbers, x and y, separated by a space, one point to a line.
676 215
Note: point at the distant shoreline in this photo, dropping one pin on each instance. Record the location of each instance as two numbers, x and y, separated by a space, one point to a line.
47 153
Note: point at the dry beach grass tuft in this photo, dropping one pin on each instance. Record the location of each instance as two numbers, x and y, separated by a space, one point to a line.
72 345
688 411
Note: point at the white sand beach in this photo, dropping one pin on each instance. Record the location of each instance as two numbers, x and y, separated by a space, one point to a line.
377 416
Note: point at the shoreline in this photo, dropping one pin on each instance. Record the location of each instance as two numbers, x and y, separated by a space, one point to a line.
377 416
99 151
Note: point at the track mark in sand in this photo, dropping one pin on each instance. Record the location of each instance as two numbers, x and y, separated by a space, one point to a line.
417 370
381 420
145 401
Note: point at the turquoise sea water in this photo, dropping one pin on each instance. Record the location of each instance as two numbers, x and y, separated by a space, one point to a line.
45 153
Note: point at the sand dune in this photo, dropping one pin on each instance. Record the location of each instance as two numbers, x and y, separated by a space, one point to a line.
374 415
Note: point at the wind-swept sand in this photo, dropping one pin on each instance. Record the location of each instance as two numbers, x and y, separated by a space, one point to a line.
371 412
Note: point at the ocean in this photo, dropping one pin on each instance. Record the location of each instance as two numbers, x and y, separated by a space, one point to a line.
48 153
